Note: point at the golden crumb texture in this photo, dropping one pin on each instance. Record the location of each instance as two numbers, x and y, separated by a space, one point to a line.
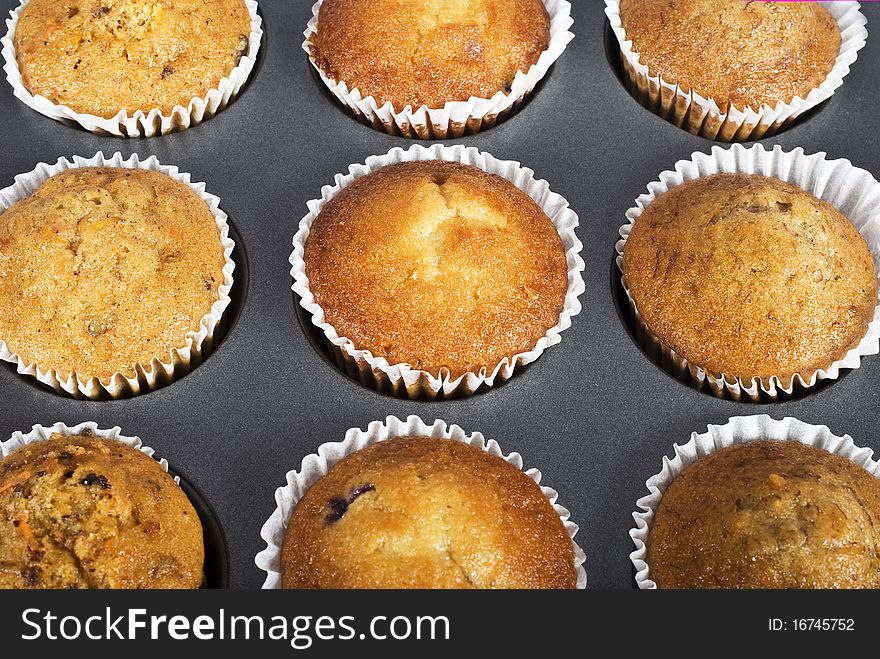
102 56
768 514
429 52
734 52
438 265
84 512
750 277
102 269
418 512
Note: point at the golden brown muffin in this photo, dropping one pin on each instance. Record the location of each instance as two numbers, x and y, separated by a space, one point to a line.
768 515
417 512
438 265
734 52
750 277
84 512
102 56
105 268
429 52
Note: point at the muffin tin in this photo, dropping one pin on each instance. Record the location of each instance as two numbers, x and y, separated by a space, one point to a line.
594 413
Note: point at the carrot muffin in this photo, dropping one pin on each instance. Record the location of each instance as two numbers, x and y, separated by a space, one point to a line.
733 52
438 265
84 512
768 515
417 512
104 268
429 52
750 277
102 56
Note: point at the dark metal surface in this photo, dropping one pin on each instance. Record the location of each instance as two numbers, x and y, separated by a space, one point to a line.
593 413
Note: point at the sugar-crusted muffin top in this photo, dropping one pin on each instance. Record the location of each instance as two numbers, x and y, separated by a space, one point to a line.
105 268
84 512
438 265
768 514
429 52
417 512
102 56
735 52
749 276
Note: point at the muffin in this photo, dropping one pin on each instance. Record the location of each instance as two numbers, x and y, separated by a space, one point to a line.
437 265
749 277
104 270
429 53
99 57
765 514
85 512
418 512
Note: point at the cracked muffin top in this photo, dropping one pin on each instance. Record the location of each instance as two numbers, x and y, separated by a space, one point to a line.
768 514
735 52
419 512
85 512
105 268
438 265
750 277
102 56
429 52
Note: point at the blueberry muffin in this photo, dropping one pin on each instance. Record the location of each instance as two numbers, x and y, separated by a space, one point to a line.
85 512
98 57
417 512
768 515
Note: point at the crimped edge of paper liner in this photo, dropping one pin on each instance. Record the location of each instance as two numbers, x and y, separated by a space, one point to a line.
400 379
179 361
702 116
737 430
852 190
316 465
139 124
456 118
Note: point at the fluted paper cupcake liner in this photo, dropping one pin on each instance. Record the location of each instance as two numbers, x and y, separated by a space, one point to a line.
140 123
316 465
400 379
703 116
162 369
456 118
851 190
737 430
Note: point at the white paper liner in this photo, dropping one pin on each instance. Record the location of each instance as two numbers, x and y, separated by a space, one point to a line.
702 116
197 344
139 124
316 465
851 190
456 118
737 430
399 379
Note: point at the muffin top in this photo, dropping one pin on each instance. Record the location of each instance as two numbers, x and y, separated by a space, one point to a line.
438 265
768 515
105 268
429 52
750 277
735 52
417 512
84 512
102 56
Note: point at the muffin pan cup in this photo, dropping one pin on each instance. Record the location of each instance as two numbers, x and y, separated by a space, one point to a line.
400 379
162 369
737 430
703 116
456 118
853 191
316 465
140 123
